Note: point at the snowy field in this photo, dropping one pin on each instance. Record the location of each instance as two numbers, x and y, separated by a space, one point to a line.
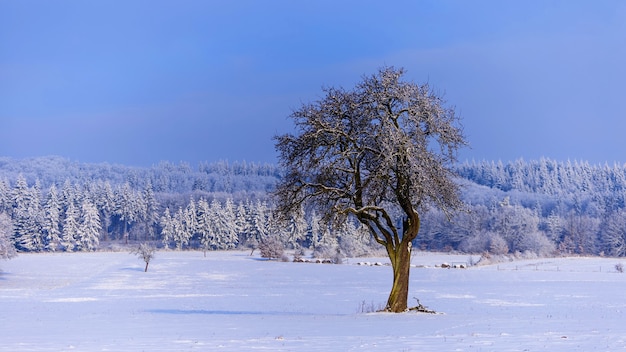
230 301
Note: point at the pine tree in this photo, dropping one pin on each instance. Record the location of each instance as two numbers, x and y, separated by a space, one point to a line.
223 225
5 196
70 228
27 217
105 202
152 216
296 229
7 249
167 228
260 221
315 231
244 226
189 220
52 213
126 208
205 226
89 228
181 230
231 225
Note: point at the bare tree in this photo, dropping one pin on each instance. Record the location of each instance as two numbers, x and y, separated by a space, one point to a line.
145 252
384 148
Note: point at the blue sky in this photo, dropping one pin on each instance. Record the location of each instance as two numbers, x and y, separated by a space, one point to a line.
136 82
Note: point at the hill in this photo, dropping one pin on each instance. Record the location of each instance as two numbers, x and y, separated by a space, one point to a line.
538 207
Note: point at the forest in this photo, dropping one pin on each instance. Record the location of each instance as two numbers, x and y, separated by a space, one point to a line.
531 208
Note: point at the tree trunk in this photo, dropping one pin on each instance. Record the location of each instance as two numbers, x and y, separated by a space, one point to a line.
401 264
400 256
146 269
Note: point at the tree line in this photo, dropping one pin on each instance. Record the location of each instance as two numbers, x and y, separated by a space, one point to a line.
92 215
543 207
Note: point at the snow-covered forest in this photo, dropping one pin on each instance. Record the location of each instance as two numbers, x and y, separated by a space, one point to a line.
539 207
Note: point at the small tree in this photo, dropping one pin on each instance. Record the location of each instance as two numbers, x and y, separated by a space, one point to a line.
145 252
386 147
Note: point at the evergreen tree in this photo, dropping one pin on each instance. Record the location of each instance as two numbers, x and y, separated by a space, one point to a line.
27 217
71 229
5 196
89 228
205 226
126 208
224 225
181 229
151 210
296 229
168 228
189 220
243 223
52 218
613 238
260 221
231 223
105 203
7 249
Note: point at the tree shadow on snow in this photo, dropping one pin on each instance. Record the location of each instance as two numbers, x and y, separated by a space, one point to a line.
3 275
218 312
132 269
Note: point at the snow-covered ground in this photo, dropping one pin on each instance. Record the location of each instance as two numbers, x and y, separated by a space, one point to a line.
234 302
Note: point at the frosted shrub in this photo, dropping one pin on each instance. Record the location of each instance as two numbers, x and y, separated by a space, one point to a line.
271 248
619 267
536 242
497 245
324 251
337 257
475 244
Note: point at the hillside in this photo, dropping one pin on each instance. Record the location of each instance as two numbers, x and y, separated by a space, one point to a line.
537 207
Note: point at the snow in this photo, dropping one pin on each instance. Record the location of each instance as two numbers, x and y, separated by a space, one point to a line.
230 301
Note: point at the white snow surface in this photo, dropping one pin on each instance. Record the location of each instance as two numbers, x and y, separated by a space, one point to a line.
230 301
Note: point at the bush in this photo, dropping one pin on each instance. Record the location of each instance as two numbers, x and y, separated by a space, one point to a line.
271 248
619 267
536 242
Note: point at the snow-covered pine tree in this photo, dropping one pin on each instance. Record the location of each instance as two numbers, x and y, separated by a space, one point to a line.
296 230
152 207
126 208
7 249
224 226
52 218
205 225
27 216
167 228
260 221
613 237
243 223
190 222
232 226
105 203
70 228
5 196
89 227
182 231
315 231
